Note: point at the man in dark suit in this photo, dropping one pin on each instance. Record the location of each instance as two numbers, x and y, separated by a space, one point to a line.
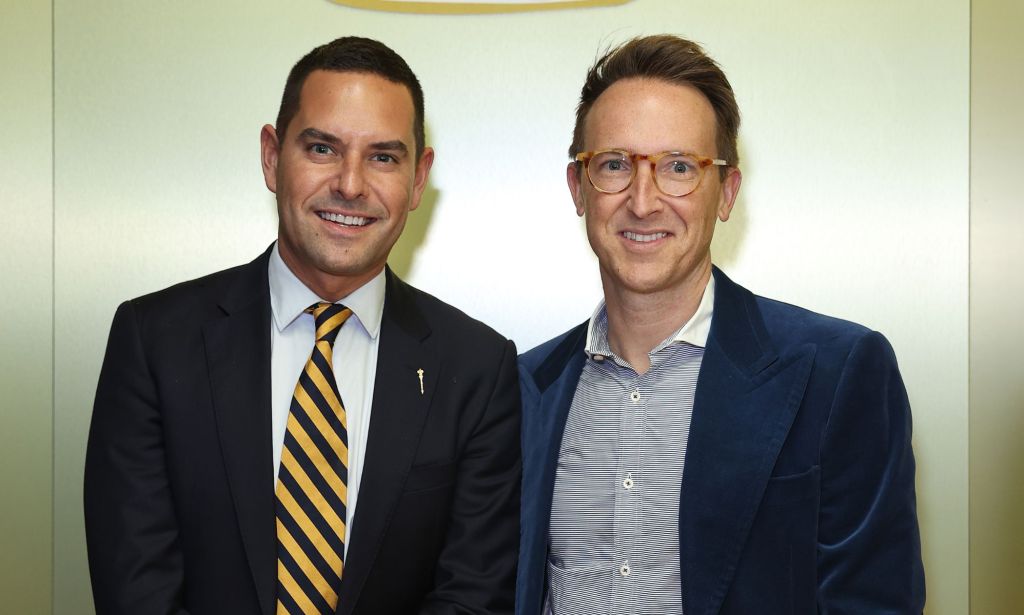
694 448
387 479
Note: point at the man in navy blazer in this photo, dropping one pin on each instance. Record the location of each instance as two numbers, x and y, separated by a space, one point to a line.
694 448
184 506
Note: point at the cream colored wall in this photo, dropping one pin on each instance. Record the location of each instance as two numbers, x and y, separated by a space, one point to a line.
856 120
26 303
997 303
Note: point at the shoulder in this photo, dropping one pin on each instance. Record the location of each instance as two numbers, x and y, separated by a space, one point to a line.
195 301
788 328
559 359
836 340
787 322
415 308
555 347
187 292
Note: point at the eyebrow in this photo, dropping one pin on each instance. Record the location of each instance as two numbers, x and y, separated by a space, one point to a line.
394 145
318 135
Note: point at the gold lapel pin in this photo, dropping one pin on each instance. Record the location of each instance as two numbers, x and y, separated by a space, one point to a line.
419 373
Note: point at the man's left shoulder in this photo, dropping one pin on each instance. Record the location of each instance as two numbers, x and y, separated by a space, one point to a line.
444 320
791 327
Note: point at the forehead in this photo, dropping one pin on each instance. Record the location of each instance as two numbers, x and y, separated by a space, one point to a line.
340 102
649 116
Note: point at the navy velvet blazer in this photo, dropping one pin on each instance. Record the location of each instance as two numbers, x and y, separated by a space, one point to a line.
798 489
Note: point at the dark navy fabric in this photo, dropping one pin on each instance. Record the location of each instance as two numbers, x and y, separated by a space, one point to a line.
798 488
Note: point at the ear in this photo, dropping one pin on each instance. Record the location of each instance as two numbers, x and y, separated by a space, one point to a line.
730 189
422 173
573 176
270 150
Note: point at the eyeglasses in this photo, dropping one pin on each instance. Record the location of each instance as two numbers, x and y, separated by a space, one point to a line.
675 173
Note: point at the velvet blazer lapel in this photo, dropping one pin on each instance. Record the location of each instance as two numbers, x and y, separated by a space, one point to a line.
237 348
398 414
547 394
746 399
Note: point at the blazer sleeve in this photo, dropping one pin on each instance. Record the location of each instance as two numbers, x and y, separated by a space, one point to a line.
869 549
135 561
477 566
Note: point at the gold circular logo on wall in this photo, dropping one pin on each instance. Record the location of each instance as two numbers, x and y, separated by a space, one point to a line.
463 7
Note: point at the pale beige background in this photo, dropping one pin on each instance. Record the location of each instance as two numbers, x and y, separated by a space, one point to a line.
130 162
997 306
26 307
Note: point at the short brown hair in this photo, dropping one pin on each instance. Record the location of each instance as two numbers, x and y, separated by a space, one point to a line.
358 55
671 59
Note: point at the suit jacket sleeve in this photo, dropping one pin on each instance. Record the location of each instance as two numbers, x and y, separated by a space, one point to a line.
477 566
869 550
132 535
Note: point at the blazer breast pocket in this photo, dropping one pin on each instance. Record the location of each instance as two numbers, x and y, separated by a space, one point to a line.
792 488
430 477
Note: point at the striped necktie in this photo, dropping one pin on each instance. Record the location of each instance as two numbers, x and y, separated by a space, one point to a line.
312 492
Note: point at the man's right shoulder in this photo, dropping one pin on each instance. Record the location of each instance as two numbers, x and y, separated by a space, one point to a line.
546 361
196 298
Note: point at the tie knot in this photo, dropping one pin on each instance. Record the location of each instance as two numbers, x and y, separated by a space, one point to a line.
329 318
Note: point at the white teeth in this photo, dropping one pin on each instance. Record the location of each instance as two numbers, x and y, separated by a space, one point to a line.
346 220
630 235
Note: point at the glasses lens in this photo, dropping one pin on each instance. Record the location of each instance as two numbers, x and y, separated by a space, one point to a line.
610 171
678 174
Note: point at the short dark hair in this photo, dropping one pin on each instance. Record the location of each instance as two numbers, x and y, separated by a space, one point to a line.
671 59
358 55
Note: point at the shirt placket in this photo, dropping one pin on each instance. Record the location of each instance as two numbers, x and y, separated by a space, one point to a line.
628 489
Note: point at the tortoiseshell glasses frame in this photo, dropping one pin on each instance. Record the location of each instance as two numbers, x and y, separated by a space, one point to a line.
675 173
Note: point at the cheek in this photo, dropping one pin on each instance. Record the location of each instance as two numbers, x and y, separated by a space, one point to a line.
395 194
697 213
303 181
598 207
598 233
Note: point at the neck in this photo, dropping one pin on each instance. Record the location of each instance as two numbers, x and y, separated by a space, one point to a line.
638 322
327 286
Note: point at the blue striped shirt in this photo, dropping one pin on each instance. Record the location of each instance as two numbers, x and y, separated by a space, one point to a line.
614 542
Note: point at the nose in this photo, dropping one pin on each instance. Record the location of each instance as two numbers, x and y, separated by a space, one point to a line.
350 179
644 195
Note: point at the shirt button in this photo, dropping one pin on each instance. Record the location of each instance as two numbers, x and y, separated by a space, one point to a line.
628 481
635 395
624 569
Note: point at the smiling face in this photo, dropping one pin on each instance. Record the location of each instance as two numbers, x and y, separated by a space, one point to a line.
346 176
646 241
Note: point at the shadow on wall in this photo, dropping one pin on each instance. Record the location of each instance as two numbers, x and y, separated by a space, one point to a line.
728 242
416 225
415 233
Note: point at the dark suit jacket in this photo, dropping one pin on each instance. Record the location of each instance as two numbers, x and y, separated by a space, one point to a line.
179 488
798 487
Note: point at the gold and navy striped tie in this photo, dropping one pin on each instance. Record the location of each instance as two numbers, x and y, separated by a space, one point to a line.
312 492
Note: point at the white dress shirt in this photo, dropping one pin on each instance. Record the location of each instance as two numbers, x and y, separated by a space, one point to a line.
292 336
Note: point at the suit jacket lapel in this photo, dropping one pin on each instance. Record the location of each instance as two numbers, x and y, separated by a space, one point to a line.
555 382
547 397
398 414
238 357
745 402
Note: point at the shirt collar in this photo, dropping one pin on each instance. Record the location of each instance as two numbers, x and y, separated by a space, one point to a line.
694 332
289 297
